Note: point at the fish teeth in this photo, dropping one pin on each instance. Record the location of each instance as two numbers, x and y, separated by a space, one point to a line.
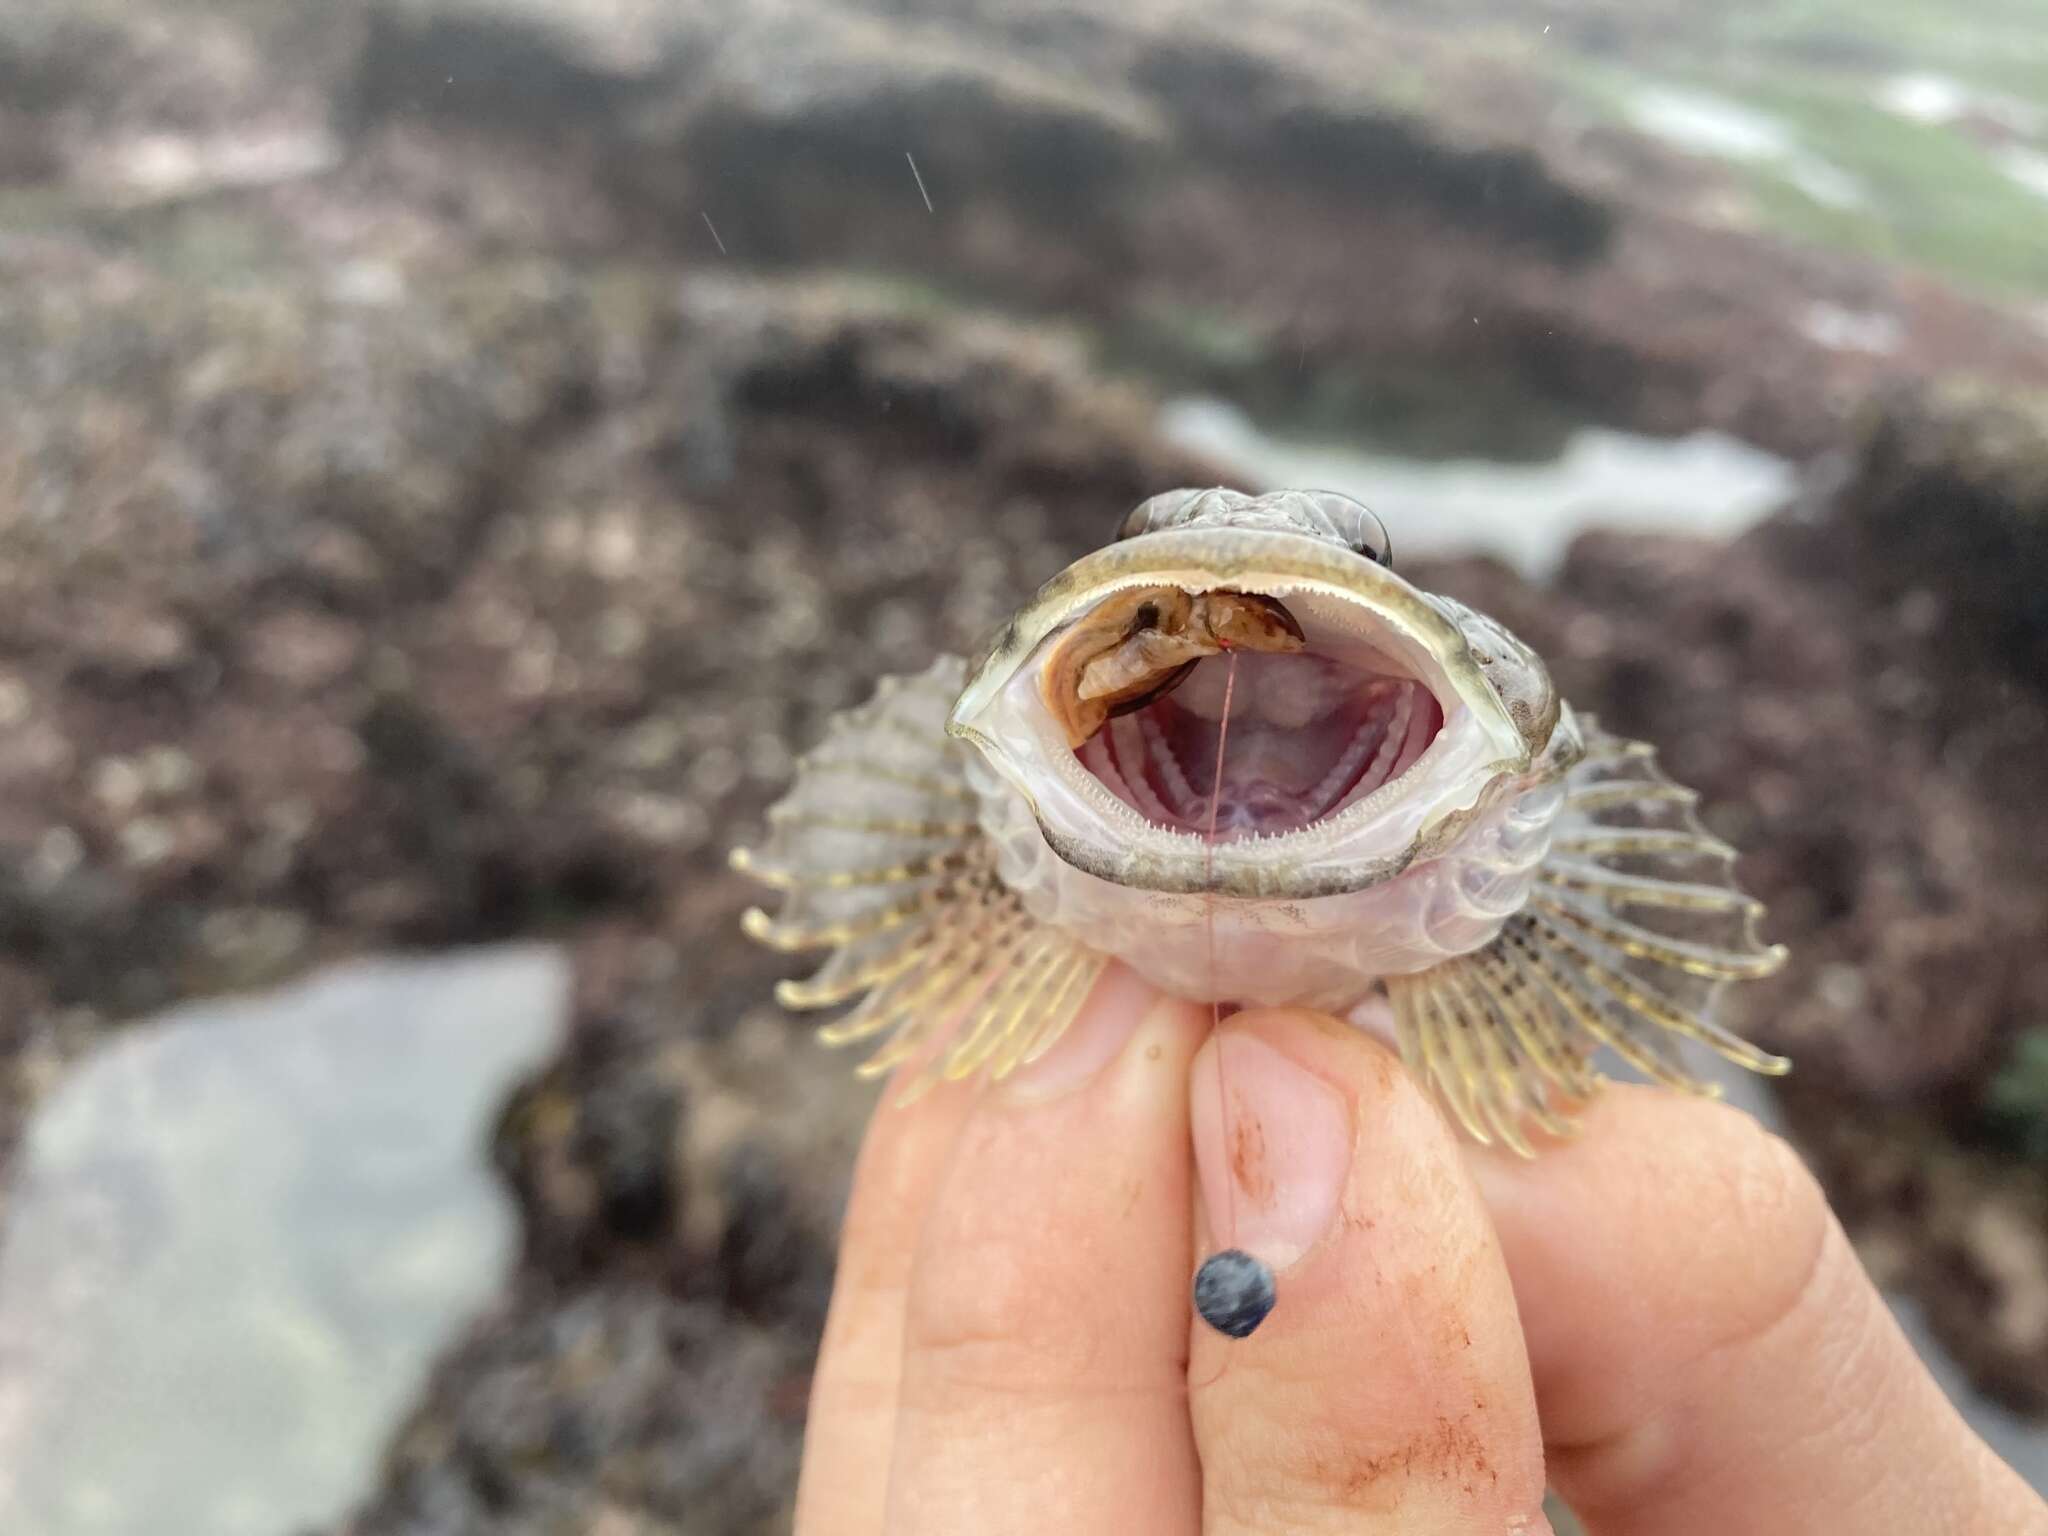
1177 787
1420 734
1347 769
1388 749
1130 748
1095 757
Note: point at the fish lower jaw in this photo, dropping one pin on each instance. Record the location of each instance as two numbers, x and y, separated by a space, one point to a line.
1323 952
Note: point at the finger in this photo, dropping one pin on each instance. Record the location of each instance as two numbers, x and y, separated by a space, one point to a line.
1387 1391
1709 1356
1044 1372
852 1419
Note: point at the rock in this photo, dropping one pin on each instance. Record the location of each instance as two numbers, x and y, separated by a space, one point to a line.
1180 170
1951 498
512 63
770 1262
457 764
138 105
1168 172
683 1415
519 639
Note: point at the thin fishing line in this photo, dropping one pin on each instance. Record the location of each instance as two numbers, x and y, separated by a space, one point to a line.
1234 1291
1229 1238
1215 1000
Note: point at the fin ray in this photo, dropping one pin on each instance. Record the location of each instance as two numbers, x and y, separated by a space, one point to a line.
1622 888
1639 943
1633 931
877 857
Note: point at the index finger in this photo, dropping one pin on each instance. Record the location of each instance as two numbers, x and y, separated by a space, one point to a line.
1044 1336
851 1428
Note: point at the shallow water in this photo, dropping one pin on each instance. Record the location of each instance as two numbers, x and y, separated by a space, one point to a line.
1704 124
1942 99
2028 167
1705 483
238 1235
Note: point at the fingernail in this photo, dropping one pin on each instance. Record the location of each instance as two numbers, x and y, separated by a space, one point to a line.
1272 1147
1120 1000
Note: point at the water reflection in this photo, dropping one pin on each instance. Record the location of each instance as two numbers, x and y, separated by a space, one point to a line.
237 1236
1712 125
1707 484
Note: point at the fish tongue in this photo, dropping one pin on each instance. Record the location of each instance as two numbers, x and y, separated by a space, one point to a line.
1261 784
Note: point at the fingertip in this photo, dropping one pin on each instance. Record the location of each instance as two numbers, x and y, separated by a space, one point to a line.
1067 1183
1355 1061
1303 1123
1387 1389
850 1426
1272 1138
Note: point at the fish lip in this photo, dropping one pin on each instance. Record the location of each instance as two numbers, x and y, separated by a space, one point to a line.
1272 562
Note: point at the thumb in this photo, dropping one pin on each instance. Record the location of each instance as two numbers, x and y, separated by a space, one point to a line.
1708 1353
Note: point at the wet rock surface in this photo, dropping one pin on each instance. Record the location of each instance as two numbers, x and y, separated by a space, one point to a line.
417 529
1327 210
1319 209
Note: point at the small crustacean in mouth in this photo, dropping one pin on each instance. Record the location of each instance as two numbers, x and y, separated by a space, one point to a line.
1139 686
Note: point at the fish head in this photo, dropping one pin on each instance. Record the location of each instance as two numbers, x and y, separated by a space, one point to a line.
1239 695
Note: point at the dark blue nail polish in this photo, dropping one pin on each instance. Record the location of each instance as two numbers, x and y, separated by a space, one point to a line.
1233 1292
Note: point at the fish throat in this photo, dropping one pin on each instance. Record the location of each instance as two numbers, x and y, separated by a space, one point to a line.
1152 684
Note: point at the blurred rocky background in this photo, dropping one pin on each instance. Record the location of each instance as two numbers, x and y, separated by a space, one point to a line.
452 452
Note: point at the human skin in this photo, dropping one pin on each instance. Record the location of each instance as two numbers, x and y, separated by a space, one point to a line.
1661 1318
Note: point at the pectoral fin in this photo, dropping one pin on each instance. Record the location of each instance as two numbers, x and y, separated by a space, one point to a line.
878 858
1635 926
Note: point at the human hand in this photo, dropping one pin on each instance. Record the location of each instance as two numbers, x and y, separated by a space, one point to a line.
1661 1318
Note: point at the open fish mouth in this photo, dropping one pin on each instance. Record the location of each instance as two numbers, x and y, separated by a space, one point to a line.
1218 715
1363 728
1307 738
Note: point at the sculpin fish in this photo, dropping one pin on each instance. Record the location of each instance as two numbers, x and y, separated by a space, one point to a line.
1236 751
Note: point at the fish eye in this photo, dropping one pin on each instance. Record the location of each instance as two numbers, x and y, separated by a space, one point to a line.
1374 542
1357 525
